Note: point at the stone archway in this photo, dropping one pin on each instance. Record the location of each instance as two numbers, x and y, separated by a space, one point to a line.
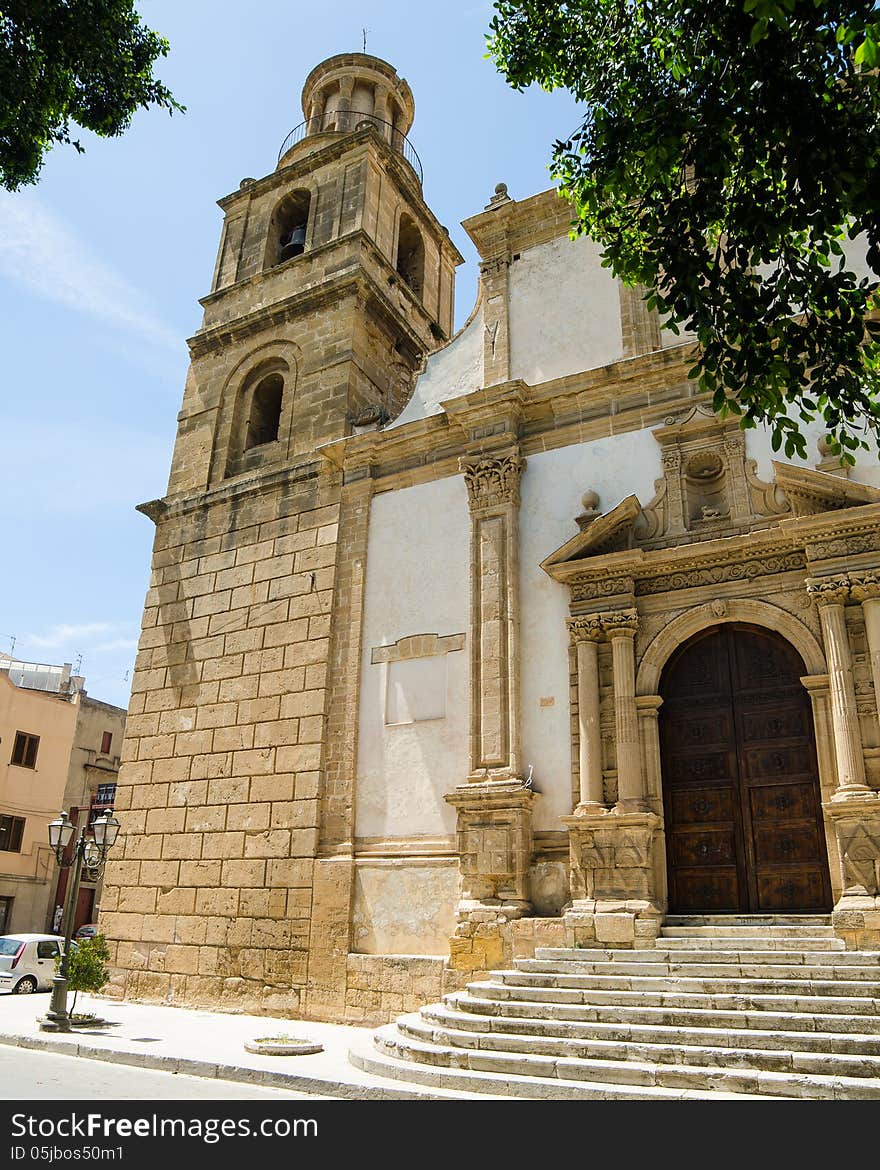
741 795
756 613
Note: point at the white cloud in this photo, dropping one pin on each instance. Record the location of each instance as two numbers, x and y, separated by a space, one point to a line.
38 251
115 644
62 635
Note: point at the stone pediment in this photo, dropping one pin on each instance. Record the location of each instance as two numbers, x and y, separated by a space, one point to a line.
612 532
709 490
811 492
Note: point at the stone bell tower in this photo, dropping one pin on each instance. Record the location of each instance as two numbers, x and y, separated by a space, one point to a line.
333 282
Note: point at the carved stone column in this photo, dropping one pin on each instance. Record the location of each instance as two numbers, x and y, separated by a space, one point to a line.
586 633
865 588
621 630
831 595
649 710
493 495
614 896
854 809
494 809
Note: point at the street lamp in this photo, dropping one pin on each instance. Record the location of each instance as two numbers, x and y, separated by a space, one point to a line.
90 851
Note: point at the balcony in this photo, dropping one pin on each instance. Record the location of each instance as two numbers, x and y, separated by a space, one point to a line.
346 122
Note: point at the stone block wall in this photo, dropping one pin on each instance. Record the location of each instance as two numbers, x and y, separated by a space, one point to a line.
209 895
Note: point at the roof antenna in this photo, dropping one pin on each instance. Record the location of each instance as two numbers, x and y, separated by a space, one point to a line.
365 31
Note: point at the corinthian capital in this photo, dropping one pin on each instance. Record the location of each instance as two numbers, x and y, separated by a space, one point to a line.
492 482
829 590
588 628
865 586
621 622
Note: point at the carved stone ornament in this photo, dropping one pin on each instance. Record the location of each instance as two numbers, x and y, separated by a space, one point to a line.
625 621
829 590
865 586
586 629
708 483
493 482
605 587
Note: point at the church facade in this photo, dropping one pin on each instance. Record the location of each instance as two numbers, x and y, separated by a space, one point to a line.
459 646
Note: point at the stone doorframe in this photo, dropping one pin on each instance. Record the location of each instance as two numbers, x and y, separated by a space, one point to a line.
765 616
806 564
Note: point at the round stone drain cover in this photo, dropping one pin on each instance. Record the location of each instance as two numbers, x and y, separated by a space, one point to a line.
283 1046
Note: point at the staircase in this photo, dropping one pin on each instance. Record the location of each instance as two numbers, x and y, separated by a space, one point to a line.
722 1007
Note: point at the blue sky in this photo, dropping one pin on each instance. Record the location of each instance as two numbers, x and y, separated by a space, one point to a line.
101 265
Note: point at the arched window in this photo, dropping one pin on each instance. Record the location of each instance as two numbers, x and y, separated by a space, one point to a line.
411 255
265 413
288 228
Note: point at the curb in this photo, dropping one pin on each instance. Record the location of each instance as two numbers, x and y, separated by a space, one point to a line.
239 1074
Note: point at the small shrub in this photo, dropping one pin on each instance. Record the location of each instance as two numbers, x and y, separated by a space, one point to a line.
87 966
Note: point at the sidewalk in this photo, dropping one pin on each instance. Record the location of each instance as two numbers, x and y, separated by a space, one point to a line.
209 1044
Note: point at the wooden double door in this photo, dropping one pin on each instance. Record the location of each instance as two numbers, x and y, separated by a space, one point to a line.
740 784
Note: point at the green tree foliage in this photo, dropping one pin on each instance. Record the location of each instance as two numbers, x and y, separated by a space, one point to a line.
87 966
728 150
87 62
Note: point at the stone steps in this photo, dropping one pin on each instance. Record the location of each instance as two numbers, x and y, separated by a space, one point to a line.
478 1019
735 1008
453 1030
573 989
688 970
742 1081
383 1060
741 932
870 986
794 957
579 1005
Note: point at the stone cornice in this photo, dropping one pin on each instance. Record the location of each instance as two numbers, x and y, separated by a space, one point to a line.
355 280
262 482
553 414
513 225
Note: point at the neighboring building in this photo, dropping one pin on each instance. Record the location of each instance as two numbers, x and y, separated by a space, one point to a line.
450 648
90 789
47 762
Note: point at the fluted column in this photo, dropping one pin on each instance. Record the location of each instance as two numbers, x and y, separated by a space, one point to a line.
865 588
586 633
621 630
831 595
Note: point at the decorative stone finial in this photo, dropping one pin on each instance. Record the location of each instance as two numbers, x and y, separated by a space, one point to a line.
590 504
499 197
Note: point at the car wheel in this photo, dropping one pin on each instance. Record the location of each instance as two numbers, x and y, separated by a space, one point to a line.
25 986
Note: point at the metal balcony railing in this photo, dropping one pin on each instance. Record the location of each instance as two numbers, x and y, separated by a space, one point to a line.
347 121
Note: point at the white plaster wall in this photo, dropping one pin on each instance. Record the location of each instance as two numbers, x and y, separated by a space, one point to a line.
404 909
552 487
451 372
564 311
418 559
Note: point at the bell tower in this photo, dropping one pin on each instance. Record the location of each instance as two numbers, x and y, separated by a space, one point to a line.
333 282
334 258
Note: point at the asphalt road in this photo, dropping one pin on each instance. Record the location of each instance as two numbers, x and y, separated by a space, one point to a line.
27 1075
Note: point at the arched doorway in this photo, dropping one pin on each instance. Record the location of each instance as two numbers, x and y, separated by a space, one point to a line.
740 782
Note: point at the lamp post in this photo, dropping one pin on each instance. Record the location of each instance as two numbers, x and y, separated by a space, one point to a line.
91 852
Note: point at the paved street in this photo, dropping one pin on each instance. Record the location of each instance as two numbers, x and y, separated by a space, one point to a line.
50 1076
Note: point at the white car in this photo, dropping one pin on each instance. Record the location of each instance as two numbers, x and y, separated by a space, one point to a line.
27 961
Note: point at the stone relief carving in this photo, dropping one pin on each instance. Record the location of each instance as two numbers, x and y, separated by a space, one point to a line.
493 481
716 574
707 483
